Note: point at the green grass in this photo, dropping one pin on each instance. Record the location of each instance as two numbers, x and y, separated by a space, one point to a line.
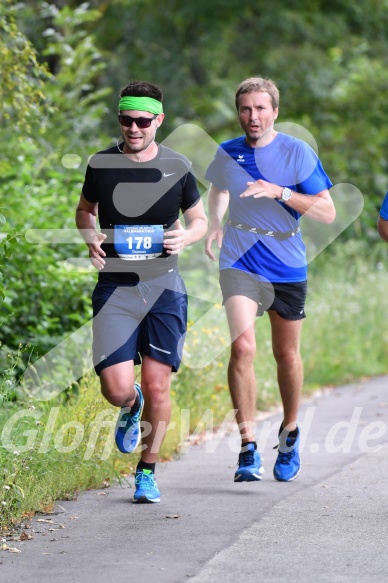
348 320
68 446
51 450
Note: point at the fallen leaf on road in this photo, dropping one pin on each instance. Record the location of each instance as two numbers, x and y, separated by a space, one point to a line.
48 509
14 550
49 521
172 515
25 536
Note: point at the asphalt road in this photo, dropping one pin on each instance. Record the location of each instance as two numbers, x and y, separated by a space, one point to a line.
329 525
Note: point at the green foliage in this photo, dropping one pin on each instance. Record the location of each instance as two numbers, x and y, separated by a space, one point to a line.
66 447
7 243
344 336
41 180
79 104
57 300
22 76
329 60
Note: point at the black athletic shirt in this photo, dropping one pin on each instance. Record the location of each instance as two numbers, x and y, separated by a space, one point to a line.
132 193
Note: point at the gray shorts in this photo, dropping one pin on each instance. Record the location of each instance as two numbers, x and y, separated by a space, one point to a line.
130 321
287 299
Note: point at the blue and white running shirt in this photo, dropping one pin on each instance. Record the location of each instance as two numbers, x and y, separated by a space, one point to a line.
384 208
286 161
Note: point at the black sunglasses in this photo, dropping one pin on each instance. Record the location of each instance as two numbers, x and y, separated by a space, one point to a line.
141 122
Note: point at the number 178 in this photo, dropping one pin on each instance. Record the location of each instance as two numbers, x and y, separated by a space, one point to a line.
139 242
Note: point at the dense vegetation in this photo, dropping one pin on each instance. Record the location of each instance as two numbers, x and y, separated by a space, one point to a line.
62 65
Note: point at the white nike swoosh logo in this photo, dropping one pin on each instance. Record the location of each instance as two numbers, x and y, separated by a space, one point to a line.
165 175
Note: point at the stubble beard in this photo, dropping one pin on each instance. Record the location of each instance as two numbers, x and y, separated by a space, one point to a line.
257 137
137 147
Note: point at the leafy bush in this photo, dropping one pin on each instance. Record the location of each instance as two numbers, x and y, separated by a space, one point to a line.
41 178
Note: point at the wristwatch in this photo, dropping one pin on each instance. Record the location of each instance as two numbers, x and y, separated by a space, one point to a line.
286 194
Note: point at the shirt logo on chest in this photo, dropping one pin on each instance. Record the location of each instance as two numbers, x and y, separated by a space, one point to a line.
240 158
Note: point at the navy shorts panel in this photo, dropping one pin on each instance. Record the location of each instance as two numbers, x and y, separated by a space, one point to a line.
130 321
163 330
287 299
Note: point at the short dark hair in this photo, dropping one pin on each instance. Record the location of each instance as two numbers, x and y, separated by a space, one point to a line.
258 84
142 89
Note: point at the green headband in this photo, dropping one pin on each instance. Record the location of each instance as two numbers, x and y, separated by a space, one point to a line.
141 104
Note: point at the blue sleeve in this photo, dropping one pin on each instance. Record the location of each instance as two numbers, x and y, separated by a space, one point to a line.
312 176
384 208
216 170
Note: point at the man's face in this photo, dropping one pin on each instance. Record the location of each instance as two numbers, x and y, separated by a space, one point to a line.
138 139
257 117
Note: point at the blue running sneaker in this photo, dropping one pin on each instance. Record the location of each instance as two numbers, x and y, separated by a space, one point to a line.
128 426
287 465
249 466
146 488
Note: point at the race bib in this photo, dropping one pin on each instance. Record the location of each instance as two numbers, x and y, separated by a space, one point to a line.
134 242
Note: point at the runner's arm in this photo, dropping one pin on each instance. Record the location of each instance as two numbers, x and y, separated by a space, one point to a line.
196 226
382 227
319 207
218 201
85 218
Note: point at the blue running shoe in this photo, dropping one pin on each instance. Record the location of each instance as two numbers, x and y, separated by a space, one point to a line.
287 465
249 466
146 488
128 426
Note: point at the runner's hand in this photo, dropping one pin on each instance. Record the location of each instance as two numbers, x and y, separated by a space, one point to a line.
175 241
96 254
261 188
214 234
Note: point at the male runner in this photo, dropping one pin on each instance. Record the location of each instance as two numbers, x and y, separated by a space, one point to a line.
268 179
137 189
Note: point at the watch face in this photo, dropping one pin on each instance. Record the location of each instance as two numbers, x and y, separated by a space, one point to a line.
286 194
